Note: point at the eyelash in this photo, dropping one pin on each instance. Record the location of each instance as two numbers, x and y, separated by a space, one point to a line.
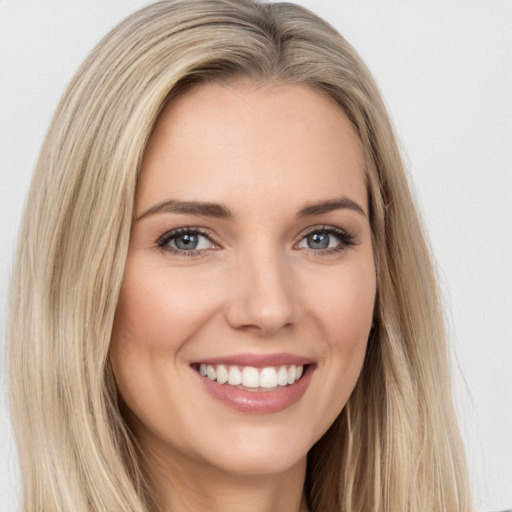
164 240
345 238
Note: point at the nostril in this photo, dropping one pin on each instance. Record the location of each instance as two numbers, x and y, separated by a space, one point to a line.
262 301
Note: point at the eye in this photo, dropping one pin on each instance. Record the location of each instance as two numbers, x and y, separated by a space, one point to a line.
326 239
185 240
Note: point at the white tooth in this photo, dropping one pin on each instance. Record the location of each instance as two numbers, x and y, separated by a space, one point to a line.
222 374
282 376
300 369
211 373
250 377
268 378
202 370
292 372
234 376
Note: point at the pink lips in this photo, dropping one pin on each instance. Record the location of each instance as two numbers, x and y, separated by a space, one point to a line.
258 402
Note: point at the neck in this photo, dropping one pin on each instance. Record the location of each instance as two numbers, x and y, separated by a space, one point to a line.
181 485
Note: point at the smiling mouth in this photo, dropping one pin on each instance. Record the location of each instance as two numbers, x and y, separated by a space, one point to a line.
249 378
256 383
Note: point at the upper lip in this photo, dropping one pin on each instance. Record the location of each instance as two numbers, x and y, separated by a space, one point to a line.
257 360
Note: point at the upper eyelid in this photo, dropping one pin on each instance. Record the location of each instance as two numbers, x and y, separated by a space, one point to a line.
187 229
324 227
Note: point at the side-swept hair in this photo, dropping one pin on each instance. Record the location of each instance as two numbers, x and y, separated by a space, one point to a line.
394 448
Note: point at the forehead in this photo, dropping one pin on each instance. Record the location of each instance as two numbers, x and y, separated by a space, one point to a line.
220 142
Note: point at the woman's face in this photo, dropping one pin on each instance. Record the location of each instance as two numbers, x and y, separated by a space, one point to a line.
249 289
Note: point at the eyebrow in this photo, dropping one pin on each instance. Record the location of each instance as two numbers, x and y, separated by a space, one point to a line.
219 211
190 208
331 205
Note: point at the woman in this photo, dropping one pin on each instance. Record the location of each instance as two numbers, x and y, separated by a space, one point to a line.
223 298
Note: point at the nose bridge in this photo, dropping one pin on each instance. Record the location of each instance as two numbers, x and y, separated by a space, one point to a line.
261 290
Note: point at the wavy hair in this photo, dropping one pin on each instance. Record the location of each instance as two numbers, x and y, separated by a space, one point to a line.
395 446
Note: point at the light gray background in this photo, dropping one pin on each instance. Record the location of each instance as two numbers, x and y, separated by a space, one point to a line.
445 69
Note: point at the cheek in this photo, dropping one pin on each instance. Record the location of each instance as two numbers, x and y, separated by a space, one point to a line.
344 312
160 309
157 313
344 305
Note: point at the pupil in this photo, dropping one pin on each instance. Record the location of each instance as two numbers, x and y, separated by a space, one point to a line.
318 241
186 242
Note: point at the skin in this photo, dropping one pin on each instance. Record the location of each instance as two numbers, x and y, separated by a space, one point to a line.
255 286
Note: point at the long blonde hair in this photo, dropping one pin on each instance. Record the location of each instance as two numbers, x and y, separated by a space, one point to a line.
395 446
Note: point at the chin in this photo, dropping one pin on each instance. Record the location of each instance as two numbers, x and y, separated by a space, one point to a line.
256 463
260 452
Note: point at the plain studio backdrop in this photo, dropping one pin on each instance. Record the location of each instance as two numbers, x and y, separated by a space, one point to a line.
445 70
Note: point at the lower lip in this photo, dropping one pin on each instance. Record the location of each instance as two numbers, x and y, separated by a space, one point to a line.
259 402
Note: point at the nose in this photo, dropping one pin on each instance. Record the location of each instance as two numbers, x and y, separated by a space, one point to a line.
261 294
